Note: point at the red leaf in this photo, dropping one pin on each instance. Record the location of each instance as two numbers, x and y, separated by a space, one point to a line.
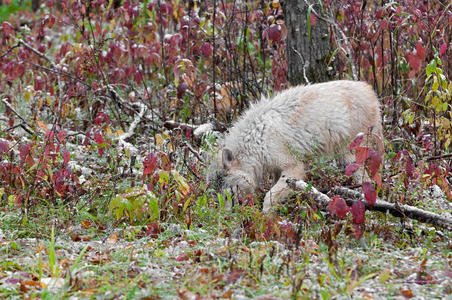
274 32
377 179
356 141
420 50
351 168
98 138
7 28
59 180
443 49
24 152
369 192
49 21
338 207
98 29
361 154
102 118
357 231
183 256
181 89
206 49
414 61
358 211
154 230
38 83
446 187
66 156
88 136
138 77
313 19
150 163
62 136
409 167
4 147
373 162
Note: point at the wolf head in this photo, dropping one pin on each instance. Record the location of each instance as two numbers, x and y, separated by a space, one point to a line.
231 175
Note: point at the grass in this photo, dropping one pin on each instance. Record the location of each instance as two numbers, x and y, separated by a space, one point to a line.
225 257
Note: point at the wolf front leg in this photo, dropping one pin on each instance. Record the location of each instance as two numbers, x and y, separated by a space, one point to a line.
281 190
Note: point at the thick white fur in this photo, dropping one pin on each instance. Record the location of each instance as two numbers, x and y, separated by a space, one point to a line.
272 135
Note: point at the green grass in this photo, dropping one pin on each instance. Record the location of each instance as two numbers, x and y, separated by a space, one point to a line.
15 6
214 259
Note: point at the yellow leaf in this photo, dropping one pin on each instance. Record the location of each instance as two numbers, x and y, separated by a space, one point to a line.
266 9
435 84
112 239
119 132
27 95
112 24
160 138
176 16
108 131
340 17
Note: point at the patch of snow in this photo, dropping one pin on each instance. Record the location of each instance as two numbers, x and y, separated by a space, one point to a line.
53 284
202 130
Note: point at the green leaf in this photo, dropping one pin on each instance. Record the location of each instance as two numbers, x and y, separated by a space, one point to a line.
332 56
52 257
428 96
116 206
443 80
163 177
435 84
186 204
309 21
220 200
430 68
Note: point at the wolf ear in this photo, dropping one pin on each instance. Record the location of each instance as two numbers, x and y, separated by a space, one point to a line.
228 157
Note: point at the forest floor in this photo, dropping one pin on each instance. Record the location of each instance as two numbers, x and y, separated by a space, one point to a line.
220 257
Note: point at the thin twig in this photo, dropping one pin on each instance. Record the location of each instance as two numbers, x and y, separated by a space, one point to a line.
304 64
25 123
195 153
9 50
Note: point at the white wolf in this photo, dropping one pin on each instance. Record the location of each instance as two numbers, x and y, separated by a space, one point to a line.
270 137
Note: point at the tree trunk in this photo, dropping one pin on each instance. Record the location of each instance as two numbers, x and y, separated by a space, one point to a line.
34 5
307 53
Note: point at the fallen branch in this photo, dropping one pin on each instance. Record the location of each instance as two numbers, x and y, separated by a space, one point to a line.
448 155
131 131
397 210
198 130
